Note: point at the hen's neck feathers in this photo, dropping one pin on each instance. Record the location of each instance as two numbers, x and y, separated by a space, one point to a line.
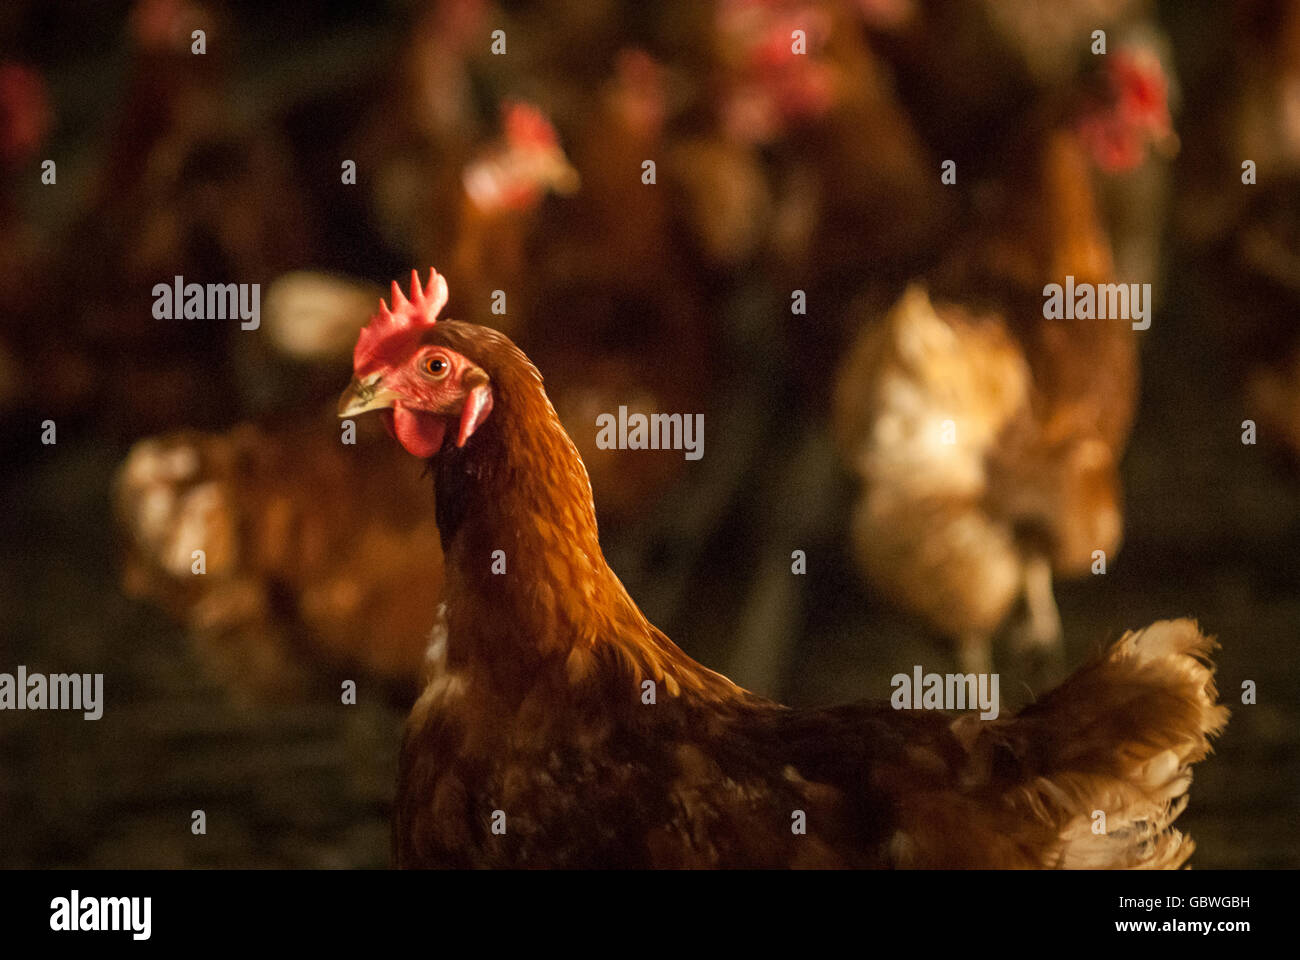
558 611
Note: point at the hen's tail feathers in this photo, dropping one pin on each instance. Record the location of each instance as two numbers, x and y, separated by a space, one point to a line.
1104 761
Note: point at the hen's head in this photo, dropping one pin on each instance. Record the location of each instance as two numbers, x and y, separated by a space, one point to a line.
1130 113
522 167
404 365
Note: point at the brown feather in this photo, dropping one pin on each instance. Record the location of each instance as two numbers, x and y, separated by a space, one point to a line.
533 712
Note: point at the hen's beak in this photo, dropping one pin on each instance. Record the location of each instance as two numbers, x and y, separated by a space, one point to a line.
471 405
366 393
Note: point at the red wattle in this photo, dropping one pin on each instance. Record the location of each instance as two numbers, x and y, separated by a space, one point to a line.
419 432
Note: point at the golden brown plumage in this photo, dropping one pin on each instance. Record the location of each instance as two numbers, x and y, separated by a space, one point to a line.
987 435
559 728
319 557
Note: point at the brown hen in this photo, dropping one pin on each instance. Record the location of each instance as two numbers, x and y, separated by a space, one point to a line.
559 728
987 434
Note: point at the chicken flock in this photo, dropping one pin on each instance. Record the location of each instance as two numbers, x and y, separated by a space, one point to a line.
845 213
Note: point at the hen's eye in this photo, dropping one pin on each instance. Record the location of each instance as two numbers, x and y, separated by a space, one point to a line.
436 366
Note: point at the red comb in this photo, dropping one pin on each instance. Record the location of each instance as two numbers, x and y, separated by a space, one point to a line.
1142 88
525 125
391 333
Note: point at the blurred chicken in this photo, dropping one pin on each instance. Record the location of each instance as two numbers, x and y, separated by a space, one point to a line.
1244 238
967 68
614 285
1255 118
25 121
589 270
447 95
190 184
500 190
987 436
411 146
979 79
571 264
772 173
316 563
